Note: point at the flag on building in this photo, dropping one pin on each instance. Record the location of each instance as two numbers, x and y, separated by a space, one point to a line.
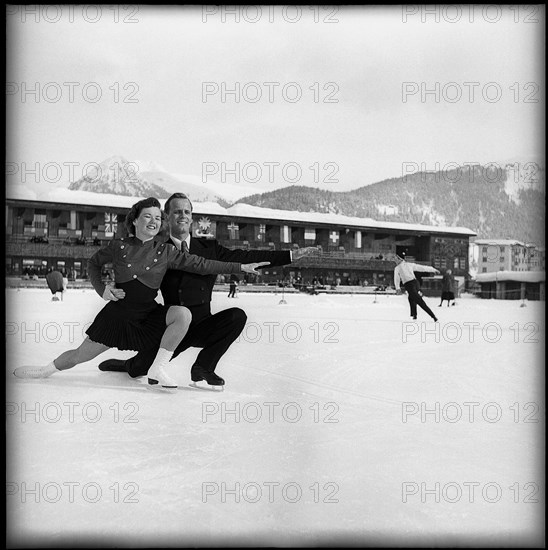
204 228
309 234
260 232
233 230
285 234
111 223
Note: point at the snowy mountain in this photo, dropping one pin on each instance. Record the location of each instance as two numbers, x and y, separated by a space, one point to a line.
119 176
523 175
496 201
227 191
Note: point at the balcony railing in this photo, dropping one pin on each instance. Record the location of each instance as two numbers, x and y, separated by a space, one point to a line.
349 260
333 259
52 249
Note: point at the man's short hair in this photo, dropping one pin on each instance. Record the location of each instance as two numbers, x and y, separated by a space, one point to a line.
173 197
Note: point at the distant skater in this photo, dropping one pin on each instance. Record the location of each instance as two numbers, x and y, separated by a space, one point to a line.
232 288
403 273
447 289
54 279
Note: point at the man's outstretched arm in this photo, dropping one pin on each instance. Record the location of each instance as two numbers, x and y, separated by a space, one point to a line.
275 257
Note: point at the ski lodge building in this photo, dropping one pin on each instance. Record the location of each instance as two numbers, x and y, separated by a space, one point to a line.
67 228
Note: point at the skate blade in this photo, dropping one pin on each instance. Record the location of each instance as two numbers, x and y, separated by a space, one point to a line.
153 382
207 387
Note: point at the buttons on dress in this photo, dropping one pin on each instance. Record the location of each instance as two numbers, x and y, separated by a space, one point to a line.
147 268
135 276
155 260
129 265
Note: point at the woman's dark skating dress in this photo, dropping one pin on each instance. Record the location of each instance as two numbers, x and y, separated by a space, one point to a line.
137 322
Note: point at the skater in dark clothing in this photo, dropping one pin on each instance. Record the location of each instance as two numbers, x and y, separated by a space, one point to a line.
54 279
404 273
447 289
232 287
133 320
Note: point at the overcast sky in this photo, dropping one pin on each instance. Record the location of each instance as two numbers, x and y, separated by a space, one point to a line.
352 124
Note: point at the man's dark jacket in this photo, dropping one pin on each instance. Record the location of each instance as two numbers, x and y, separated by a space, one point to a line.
194 291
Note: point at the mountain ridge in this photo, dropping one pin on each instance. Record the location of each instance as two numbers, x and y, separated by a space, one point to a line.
477 198
495 201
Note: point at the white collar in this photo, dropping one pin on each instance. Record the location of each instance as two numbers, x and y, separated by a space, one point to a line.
179 242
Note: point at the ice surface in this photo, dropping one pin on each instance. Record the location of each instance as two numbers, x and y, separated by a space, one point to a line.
167 468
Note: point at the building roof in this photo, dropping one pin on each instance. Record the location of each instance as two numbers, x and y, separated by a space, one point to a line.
516 276
87 198
499 242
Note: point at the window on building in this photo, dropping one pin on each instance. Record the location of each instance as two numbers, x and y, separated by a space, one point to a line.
484 270
484 250
40 221
502 258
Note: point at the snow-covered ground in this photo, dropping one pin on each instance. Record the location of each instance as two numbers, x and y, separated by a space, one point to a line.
342 423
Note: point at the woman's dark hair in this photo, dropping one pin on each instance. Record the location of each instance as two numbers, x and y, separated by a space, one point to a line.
176 196
135 212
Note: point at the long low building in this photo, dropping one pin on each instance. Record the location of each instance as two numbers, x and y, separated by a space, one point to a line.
65 229
512 285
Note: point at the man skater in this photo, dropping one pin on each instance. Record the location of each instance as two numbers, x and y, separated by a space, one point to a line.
232 286
213 333
404 273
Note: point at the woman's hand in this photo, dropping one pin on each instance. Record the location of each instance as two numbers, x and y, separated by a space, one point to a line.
252 268
113 293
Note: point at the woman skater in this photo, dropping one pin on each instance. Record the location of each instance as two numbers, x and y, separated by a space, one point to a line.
447 289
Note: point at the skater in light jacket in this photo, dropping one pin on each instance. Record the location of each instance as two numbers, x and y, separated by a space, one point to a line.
404 273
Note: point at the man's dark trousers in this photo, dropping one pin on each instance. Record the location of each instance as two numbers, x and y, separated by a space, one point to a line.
415 298
215 333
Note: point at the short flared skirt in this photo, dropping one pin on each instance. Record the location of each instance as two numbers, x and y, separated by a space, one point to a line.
137 322
447 295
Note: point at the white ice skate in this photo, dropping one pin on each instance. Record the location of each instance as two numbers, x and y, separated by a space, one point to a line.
157 375
35 372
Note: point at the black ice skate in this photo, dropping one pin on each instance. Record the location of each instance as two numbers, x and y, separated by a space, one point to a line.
209 380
